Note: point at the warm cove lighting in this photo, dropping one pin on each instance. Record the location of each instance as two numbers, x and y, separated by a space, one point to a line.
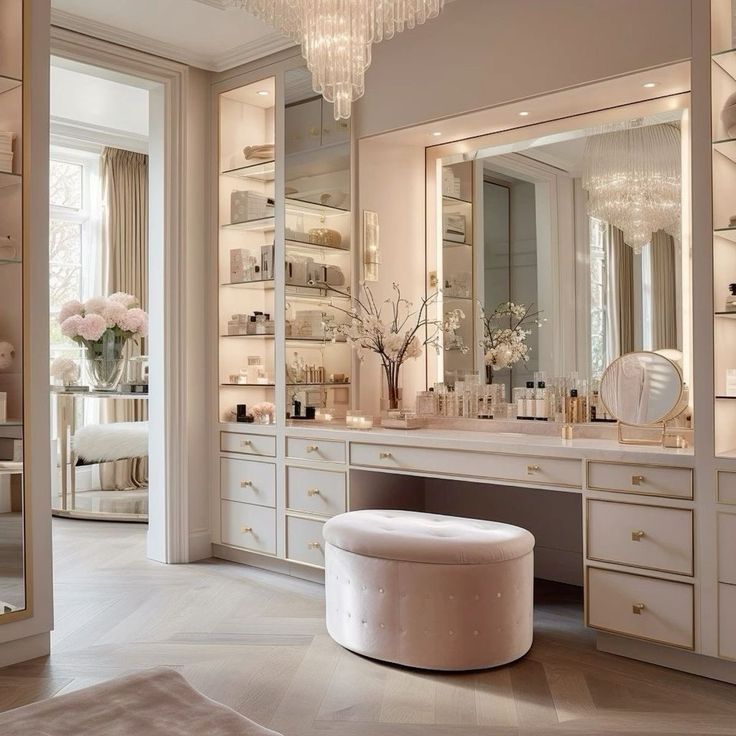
649 85
437 133
262 92
336 36
523 114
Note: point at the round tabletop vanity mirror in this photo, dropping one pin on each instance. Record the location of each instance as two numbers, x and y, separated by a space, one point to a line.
642 389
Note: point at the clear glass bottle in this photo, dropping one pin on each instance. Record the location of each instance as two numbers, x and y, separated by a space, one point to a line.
426 405
730 305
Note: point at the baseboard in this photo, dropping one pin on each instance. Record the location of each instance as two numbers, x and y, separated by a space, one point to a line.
676 659
272 564
200 545
21 650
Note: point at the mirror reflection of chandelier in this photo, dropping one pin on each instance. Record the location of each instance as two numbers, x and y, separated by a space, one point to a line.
336 36
632 177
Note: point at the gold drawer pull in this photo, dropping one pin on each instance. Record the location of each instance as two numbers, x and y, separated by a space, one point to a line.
313 492
637 480
246 483
245 443
312 448
384 455
531 469
314 545
637 608
246 529
636 536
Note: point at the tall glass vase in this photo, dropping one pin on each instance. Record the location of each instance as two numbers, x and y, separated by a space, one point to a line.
391 394
106 361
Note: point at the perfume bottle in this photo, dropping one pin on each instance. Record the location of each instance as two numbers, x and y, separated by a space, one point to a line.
426 403
530 401
731 299
573 407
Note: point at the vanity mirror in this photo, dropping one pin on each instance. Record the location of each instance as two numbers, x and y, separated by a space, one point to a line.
643 390
578 230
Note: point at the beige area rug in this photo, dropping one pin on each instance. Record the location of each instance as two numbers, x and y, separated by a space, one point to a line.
157 702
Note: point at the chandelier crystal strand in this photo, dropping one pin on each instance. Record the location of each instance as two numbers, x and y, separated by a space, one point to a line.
633 180
336 36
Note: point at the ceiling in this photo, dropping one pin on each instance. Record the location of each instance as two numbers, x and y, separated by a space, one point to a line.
201 33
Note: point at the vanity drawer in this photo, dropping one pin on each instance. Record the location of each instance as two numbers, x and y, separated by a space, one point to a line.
248 526
643 536
304 541
517 468
317 450
248 444
248 481
727 621
646 608
726 487
727 548
648 480
315 491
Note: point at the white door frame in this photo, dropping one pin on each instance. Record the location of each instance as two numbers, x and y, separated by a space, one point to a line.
168 537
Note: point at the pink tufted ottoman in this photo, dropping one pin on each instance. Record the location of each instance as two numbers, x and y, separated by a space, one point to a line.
428 591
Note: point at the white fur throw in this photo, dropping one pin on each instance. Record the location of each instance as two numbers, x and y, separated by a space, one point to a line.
99 443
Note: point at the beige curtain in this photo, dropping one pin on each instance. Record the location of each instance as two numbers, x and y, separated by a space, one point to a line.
125 183
620 312
664 291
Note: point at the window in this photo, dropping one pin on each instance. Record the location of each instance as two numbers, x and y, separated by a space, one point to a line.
598 295
75 244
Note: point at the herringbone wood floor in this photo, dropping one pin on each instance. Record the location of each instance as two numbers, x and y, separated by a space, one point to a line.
256 641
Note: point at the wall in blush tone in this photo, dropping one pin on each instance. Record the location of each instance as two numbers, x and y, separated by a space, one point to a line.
478 54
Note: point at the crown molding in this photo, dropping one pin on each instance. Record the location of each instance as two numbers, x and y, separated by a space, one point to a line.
244 54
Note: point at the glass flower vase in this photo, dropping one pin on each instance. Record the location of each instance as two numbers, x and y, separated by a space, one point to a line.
391 390
106 360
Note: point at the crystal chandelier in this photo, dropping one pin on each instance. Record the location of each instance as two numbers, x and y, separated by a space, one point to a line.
336 36
632 177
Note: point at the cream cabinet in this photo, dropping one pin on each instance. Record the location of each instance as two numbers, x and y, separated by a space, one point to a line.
248 481
304 541
320 492
249 526
647 480
248 444
727 621
644 607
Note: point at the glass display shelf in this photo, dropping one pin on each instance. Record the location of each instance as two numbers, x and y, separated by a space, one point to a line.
318 340
723 397
260 224
726 315
726 148
9 83
448 297
449 201
10 261
302 206
729 233
726 60
455 244
318 293
246 337
261 171
248 385
257 284
305 245
326 384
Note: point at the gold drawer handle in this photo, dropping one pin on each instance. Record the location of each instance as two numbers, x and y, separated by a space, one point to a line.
384 455
637 480
245 443
637 536
312 448
246 529
313 492
637 608
314 545
246 483
531 469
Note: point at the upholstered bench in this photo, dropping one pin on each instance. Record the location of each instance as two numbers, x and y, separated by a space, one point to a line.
428 591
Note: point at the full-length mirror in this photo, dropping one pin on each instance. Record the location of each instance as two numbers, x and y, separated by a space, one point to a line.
564 251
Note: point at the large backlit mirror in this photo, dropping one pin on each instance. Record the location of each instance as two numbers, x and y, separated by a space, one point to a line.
582 228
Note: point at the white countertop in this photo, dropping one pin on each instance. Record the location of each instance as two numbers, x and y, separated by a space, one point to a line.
516 443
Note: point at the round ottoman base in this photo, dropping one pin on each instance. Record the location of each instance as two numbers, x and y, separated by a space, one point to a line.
451 617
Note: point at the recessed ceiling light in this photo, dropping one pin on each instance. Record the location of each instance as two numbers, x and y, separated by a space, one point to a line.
262 92
649 85
437 133
523 114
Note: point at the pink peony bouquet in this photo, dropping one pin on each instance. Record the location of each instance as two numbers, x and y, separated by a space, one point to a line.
115 316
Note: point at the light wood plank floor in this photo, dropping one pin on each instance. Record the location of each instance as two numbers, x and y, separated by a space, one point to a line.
256 641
